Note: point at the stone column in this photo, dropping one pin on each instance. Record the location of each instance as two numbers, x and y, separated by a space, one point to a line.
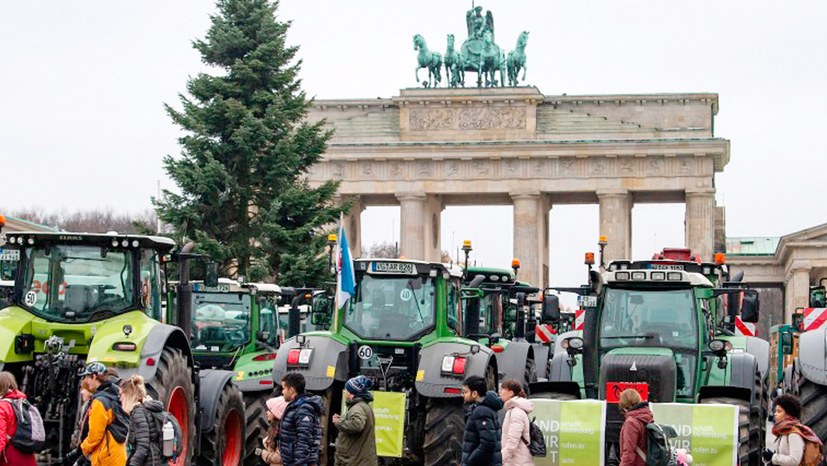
531 236
412 225
796 289
616 224
432 220
353 225
700 222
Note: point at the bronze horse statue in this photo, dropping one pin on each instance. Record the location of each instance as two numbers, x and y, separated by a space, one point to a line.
427 59
517 59
454 72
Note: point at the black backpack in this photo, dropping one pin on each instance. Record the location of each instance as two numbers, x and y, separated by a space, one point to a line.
537 445
659 450
30 436
162 418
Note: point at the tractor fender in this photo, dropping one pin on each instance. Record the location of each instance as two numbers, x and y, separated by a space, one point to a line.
512 360
430 381
212 383
742 368
328 362
159 337
811 350
560 371
761 350
541 356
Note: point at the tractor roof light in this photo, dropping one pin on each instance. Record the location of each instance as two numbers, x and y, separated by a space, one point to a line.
2 221
674 276
720 258
589 260
602 240
332 238
466 245
658 276
621 275
638 275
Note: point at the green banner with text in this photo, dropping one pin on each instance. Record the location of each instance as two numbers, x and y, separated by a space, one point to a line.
389 414
708 432
574 431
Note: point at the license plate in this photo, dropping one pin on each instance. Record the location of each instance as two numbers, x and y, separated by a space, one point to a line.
10 255
403 268
614 389
667 267
587 301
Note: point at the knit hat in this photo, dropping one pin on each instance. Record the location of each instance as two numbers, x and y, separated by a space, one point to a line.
358 385
276 406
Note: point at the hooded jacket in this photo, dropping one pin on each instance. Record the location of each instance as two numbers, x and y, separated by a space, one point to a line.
481 440
633 434
106 443
9 454
145 434
356 443
300 432
517 433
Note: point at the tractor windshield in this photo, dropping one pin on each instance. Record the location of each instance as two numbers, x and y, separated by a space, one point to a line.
391 308
68 283
662 318
221 321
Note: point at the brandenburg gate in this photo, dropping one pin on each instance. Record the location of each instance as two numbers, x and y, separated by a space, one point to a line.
428 148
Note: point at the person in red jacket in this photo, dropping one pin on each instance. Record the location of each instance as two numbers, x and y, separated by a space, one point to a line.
633 433
9 454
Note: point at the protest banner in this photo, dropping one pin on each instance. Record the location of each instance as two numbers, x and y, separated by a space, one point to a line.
708 432
574 431
389 416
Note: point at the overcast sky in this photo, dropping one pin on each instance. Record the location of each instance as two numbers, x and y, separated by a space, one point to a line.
82 85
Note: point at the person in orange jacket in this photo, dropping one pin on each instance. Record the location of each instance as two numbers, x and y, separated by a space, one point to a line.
108 424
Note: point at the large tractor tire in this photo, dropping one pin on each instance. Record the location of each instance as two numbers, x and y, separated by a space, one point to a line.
814 403
255 407
224 444
173 386
745 455
444 426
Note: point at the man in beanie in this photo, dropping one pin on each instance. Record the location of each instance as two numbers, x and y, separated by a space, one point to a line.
356 443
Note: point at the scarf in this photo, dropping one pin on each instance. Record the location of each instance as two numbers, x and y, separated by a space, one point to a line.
791 425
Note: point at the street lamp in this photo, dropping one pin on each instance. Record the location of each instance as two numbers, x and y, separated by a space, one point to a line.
331 243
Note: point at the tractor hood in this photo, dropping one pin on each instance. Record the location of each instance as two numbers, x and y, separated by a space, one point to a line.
653 366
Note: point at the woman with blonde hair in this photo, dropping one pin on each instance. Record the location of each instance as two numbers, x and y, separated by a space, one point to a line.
144 438
9 454
516 430
633 445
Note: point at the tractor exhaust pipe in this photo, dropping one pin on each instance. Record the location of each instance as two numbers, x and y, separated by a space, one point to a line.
183 291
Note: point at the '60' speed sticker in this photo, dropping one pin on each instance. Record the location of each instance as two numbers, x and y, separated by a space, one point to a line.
365 352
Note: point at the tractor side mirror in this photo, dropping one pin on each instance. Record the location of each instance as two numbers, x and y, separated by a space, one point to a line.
750 306
798 320
818 296
211 274
551 309
787 343
477 281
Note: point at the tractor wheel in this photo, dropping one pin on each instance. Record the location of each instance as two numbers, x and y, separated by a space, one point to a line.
813 401
444 426
173 386
224 444
530 372
255 407
744 428
491 379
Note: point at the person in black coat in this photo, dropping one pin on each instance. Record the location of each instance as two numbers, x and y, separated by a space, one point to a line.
145 429
481 439
300 431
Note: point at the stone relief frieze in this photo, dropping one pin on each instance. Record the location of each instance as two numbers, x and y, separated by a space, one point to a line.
452 169
625 167
424 168
439 119
367 169
481 168
599 167
396 170
654 167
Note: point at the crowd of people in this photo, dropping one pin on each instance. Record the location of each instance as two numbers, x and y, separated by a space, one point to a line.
119 425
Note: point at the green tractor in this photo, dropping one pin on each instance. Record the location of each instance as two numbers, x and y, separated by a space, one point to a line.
98 297
403 329
662 324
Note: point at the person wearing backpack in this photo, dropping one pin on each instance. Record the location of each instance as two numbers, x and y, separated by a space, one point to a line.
633 440
481 438
795 443
516 429
144 439
105 445
9 454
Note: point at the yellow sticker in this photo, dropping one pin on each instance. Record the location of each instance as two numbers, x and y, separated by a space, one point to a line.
239 375
331 371
420 375
109 359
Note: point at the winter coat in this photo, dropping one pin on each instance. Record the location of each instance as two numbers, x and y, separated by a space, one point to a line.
481 439
633 435
356 443
144 438
271 454
789 450
107 425
517 433
300 431
9 454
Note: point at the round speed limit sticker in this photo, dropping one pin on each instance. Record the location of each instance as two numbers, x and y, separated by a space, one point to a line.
364 352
